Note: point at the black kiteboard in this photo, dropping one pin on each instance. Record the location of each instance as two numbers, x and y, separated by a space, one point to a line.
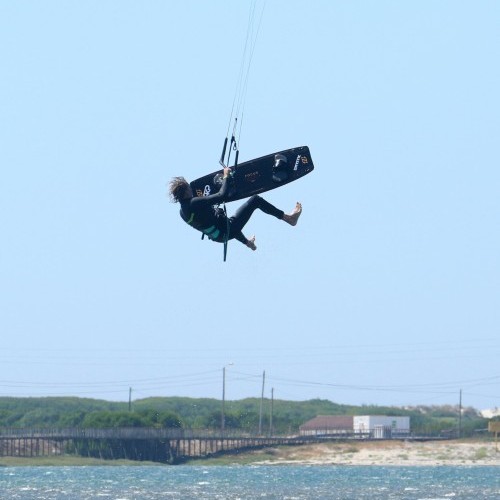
259 175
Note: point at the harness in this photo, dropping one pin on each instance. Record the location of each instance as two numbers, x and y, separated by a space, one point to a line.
212 232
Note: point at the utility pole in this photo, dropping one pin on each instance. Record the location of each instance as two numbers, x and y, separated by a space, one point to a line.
223 416
271 414
262 402
460 415
130 399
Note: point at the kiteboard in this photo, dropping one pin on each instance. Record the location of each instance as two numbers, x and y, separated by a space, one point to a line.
259 175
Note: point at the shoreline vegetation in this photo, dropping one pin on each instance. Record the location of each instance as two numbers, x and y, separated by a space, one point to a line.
465 452
242 416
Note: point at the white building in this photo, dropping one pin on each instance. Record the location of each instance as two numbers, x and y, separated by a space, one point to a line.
381 426
370 426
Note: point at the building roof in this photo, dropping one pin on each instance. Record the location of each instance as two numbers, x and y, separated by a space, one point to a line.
328 422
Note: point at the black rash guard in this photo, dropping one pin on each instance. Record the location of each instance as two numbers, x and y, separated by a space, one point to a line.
200 212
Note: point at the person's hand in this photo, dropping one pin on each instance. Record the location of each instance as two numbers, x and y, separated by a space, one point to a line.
227 171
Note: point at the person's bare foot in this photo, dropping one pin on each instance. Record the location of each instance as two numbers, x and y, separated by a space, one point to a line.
294 216
251 243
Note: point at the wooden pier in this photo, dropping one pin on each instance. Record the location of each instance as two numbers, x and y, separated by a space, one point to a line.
158 445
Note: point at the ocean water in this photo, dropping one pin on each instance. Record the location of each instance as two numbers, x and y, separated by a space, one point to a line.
249 482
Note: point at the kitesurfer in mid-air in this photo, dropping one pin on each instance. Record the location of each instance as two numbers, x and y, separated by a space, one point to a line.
199 211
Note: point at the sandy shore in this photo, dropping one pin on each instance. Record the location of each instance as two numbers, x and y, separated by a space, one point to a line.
386 453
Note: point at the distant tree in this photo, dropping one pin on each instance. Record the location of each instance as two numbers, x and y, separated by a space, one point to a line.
473 426
106 419
232 420
212 420
248 420
98 419
39 418
72 419
128 419
149 416
169 419
10 418
164 418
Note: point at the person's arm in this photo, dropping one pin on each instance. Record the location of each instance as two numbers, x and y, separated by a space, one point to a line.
219 197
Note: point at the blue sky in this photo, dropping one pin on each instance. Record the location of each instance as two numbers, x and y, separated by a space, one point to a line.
387 291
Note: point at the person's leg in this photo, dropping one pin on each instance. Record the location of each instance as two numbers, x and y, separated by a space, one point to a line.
243 214
249 242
